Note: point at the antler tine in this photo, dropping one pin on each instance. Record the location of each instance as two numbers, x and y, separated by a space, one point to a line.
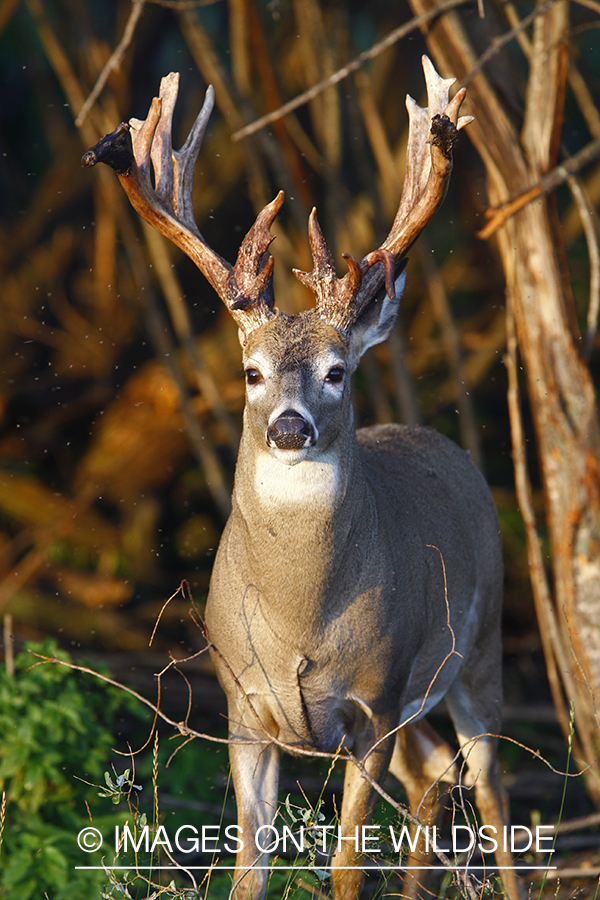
323 281
335 296
184 161
161 151
432 134
250 285
429 161
142 135
245 288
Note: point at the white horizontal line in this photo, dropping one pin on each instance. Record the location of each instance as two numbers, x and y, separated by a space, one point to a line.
184 868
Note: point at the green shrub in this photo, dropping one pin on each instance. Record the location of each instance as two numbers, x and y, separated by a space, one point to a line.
55 729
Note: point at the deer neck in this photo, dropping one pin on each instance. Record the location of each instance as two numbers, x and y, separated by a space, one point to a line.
297 521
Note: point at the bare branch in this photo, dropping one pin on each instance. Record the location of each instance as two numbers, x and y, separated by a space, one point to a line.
557 176
587 223
392 38
502 40
114 61
590 4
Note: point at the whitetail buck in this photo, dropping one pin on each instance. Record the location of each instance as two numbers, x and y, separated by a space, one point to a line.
359 577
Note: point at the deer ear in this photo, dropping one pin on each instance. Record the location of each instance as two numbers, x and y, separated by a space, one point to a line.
375 324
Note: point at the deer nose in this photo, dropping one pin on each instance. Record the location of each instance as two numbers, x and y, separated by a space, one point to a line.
290 431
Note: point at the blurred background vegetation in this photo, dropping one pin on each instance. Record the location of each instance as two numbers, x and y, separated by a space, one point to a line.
121 389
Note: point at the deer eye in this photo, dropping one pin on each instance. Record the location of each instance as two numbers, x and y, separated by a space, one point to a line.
335 375
253 376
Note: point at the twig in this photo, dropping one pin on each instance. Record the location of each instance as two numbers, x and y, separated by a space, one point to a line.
498 43
114 61
392 38
162 609
579 824
555 874
87 671
451 652
2 818
590 4
9 659
499 214
591 237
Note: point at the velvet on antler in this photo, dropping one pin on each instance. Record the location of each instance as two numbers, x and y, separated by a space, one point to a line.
246 287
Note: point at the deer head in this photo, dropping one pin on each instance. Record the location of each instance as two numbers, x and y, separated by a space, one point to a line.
352 312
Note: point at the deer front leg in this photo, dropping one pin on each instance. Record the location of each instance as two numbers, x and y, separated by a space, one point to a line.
255 772
425 765
358 804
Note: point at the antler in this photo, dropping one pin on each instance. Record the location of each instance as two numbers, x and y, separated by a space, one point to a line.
246 288
431 137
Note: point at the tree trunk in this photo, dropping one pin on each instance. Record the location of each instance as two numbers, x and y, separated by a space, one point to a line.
560 388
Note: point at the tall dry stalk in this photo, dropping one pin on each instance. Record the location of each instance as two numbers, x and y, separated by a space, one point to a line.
566 586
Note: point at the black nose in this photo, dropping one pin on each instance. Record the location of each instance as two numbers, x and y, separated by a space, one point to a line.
290 431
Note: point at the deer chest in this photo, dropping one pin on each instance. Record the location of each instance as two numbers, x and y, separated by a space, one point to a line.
317 681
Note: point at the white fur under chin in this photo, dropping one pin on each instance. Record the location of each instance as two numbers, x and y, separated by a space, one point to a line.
288 477
288 458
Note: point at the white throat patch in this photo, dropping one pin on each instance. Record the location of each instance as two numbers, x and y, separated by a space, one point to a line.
310 482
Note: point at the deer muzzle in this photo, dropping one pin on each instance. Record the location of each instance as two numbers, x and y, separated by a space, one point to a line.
290 431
